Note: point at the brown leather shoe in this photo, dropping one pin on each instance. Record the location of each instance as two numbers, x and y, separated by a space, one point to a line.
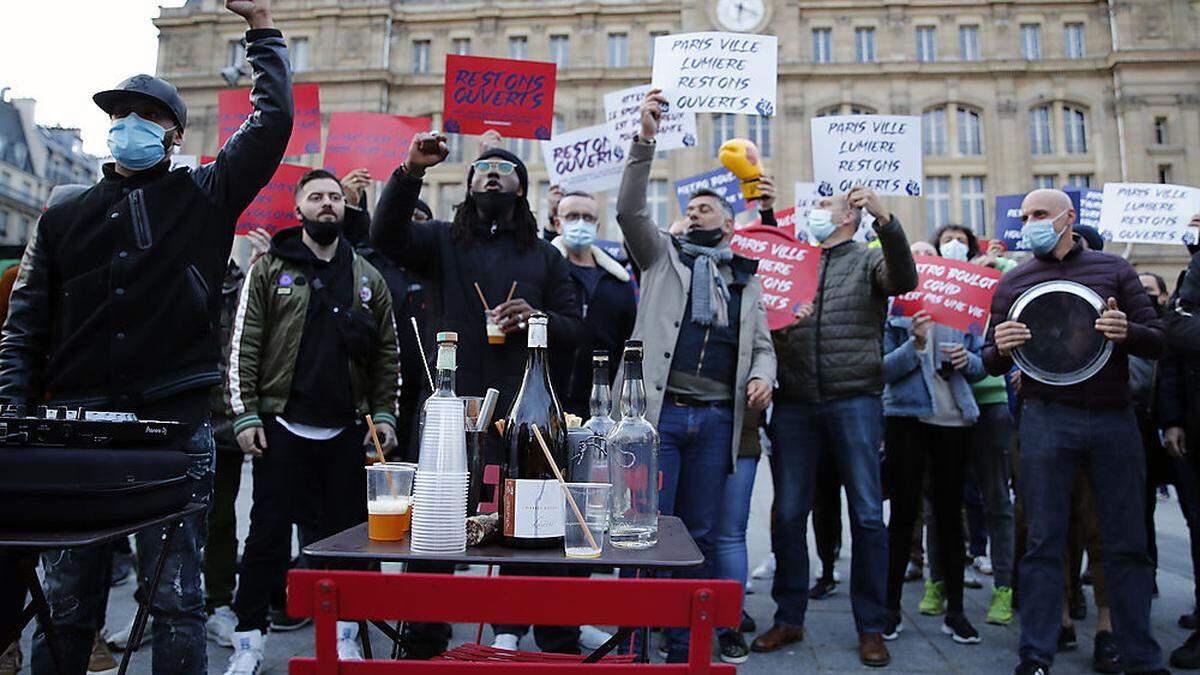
871 650
779 636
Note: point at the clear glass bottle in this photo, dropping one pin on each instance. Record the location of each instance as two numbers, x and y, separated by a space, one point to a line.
601 422
633 462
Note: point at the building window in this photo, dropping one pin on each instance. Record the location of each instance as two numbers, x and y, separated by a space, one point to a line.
235 53
520 147
1164 173
518 47
968 43
543 208
1039 131
1073 41
973 196
1079 180
449 196
970 132
420 63
1031 41
760 133
926 43
1075 130
822 39
461 46
722 124
937 201
1162 131
933 131
657 204
845 109
299 54
560 50
864 45
1043 181
618 50
454 146
558 124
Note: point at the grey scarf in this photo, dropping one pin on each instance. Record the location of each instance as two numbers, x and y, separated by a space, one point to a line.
710 294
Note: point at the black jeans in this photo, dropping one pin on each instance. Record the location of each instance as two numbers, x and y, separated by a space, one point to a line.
827 514
321 486
912 446
220 549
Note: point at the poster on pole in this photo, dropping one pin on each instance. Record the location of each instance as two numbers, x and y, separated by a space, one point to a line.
586 159
787 270
721 181
514 97
676 129
233 107
955 294
375 141
882 152
275 206
717 72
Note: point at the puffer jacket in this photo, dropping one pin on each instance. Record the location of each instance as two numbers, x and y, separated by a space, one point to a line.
838 351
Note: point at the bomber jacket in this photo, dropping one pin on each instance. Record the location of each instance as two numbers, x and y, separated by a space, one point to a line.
269 325
117 303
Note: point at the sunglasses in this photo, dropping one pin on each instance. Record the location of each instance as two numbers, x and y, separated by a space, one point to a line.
500 166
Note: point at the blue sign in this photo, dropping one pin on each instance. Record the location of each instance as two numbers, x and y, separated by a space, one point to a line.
1088 209
721 181
1008 221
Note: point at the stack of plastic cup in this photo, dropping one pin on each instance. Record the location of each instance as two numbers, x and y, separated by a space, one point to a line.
439 521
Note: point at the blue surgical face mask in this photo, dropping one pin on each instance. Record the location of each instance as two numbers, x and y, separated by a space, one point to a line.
137 143
820 224
1040 236
955 250
578 234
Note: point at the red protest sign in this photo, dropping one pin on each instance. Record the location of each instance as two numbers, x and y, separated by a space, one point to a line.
787 270
376 141
275 206
233 107
516 98
955 294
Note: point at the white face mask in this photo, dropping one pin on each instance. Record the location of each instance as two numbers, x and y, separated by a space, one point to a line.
820 224
955 250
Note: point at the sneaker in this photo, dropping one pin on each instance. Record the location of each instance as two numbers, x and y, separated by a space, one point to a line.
1066 639
1105 657
347 644
983 565
893 627
1187 657
1029 667
934 602
912 572
970 579
822 589
1000 612
119 641
282 623
10 660
249 648
123 569
957 627
733 647
592 638
1077 604
506 641
101 660
220 626
765 569
748 624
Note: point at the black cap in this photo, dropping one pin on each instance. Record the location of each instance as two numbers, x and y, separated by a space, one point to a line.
146 87
522 172
1091 235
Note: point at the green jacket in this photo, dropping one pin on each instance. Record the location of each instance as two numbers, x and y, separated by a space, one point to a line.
266 336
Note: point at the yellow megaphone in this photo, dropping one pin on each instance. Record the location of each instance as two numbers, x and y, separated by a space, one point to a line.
740 156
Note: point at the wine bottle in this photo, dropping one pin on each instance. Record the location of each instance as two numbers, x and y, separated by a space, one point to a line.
531 514
633 462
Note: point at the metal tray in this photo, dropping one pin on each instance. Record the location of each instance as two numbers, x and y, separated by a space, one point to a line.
1065 348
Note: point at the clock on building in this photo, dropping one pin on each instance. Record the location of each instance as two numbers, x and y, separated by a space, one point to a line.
740 15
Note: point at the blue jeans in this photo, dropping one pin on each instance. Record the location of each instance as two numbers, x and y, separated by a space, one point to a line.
77 580
1055 440
850 430
694 456
729 541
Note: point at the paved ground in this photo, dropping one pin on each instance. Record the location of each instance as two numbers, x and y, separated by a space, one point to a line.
830 646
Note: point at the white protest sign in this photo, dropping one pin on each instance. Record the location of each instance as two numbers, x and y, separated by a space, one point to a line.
717 72
1149 213
882 152
676 129
189 161
807 198
584 159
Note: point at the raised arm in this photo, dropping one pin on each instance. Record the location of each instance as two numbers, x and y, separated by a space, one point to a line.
645 241
393 232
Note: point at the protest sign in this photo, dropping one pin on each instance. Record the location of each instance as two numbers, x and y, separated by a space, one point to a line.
955 294
1008 221
274 207
516 98
586 159
375 141
785 220
186 161
233 107
676 129
787 270
805 200
721 181
1149 213
882 152
1088 208
717 72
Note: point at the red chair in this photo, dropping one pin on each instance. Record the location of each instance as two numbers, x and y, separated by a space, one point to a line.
328 596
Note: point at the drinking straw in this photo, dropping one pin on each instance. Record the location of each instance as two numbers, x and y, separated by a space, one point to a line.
563 484
417 332
375 438
482 299
512 289
486 409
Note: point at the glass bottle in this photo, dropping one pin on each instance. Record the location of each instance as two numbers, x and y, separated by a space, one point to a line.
601 422
633 462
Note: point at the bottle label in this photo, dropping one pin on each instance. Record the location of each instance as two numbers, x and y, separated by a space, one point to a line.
538 335
445 358
533 509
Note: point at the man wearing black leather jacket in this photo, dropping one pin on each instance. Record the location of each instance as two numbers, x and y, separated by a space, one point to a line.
116 307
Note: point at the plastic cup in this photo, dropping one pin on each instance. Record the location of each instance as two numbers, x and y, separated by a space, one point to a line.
389 501
592 501
495 336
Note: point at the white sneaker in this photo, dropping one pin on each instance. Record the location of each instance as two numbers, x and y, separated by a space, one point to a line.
348 649
249 648
506 641
983 564
837 576
765 569
119 641
220 626
591 637
970 579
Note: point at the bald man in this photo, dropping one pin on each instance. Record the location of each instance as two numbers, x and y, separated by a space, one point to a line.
1090 424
